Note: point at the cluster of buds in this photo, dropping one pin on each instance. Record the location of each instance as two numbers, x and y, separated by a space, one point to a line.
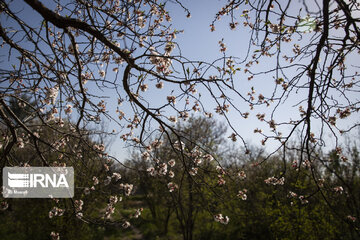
126 224
292 194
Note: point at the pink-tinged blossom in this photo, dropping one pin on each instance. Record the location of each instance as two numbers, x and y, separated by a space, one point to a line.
126 224
171 174
102 73
55 236
193 171
351 218
179 145
145 156
144 87
116 176
208 157
220 170
159 85
172 186
242 175
127 188
137 213
163 169
321 182
275 181
339 189
68 109
242 194
78 204
107 181
51 95
86 191
303 200
20 143
55 211
96 180
221 219
171 99
171 163
221 180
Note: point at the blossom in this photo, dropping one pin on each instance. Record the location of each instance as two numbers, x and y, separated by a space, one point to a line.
55 211
51 95
221 219
171 99
144 87
303 200
55 236
96 180
171 174
242 194
275 181
351 218
292 194
172 186
339 189
117 176
126 224
68 109
102 73
171 162
242 175
127 188
151 171
193 171
159 85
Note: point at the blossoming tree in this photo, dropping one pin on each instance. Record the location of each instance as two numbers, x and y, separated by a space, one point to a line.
73 56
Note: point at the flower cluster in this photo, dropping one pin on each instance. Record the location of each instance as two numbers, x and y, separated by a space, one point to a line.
242 194
137 213
110 208
221 219
55 211
78 204
275 181
162 63
339 189
51 95
55 236
242 175
172 186
127 188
